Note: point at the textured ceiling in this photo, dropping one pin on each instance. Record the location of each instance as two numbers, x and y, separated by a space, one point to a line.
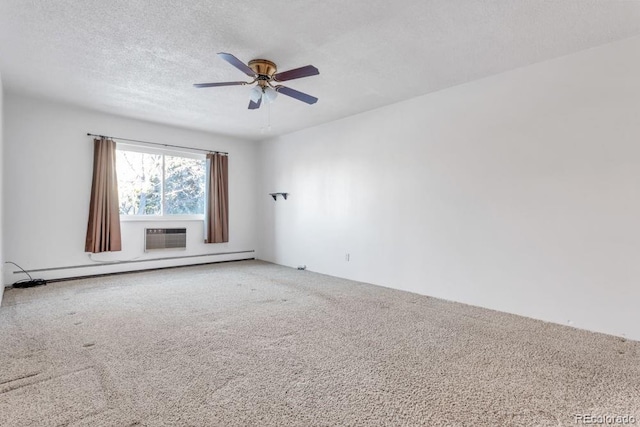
139 58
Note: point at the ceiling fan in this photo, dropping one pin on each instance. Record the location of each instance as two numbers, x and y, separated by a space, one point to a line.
264 74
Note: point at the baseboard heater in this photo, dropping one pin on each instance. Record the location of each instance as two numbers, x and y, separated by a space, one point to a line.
250 254
156 239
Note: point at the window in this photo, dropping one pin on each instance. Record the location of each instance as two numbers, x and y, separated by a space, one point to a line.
159 183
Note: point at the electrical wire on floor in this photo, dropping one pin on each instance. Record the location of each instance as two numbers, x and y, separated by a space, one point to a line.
26 283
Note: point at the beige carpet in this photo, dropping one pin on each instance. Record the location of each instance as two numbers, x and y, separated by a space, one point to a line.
255 344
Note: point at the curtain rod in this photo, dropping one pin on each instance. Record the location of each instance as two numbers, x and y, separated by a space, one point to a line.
157 143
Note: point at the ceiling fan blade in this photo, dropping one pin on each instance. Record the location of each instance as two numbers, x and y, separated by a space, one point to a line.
255 105
297 73
237 63
297 95
219 84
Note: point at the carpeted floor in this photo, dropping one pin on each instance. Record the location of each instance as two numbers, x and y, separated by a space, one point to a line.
255 344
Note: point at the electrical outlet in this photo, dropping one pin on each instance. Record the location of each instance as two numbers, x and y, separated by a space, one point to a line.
347 257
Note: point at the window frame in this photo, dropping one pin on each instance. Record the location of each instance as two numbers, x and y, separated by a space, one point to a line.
163 152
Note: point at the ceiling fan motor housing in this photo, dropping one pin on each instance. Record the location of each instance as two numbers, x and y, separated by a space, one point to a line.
265 70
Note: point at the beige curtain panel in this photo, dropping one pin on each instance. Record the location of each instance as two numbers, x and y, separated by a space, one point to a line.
217 214
103 229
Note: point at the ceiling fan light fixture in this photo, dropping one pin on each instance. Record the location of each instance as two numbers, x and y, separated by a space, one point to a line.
270 94
256 94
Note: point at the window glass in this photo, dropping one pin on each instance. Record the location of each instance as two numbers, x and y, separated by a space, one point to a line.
184 186
160 184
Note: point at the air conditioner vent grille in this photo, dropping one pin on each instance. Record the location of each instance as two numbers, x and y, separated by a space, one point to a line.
165 238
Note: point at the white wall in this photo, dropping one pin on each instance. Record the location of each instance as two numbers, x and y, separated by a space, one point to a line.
519 192
48 167
2 267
